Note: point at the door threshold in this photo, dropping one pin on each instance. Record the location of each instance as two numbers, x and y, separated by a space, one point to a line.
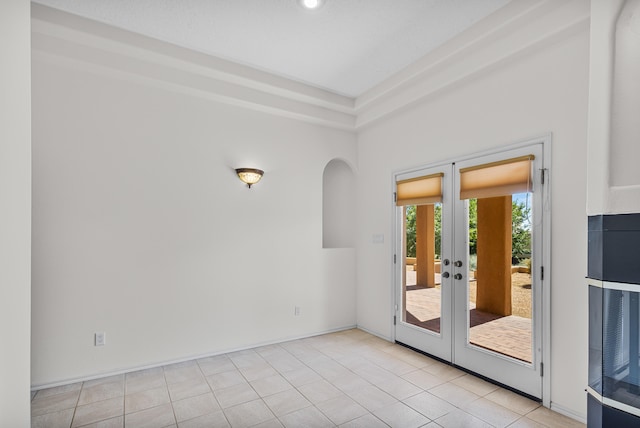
479 376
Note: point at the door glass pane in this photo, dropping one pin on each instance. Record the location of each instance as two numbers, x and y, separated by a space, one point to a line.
499 260
422 256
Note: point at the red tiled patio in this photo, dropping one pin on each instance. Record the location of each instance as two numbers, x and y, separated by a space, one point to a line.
508 335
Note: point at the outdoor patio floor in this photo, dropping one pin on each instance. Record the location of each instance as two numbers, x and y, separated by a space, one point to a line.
510 335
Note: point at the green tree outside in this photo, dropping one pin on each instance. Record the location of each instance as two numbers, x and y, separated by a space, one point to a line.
411 212
520 227
437 216
520 231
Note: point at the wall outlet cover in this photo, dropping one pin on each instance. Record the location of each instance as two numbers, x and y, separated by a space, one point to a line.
100 339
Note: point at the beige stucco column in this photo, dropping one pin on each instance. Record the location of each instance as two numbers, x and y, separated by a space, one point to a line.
494 255
425 246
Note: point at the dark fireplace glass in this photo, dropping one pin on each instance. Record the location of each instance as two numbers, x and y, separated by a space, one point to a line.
595 338
620 344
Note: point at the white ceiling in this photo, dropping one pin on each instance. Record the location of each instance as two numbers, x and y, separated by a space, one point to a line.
347 46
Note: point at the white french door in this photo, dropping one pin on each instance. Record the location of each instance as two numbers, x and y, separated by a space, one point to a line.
469 241
426 322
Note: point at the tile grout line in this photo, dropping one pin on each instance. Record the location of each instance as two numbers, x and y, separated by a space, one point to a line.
212 393
75 409
173 410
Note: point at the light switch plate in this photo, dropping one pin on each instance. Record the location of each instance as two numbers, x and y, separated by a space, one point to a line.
378 238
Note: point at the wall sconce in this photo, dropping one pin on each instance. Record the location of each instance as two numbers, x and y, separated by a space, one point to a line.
249 175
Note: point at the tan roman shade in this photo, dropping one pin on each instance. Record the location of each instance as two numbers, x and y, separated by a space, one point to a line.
420 190
501 178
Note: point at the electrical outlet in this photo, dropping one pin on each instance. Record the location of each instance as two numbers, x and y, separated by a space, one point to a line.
296 311
101 338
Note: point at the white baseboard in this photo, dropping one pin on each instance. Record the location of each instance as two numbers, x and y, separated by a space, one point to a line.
388 339
182 360
568 413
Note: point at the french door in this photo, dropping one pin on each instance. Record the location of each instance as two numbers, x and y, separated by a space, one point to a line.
468 265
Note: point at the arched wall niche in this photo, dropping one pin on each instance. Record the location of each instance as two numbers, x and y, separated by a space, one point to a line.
625 126
338 205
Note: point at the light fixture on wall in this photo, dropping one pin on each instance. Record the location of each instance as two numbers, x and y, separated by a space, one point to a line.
249 176
311 4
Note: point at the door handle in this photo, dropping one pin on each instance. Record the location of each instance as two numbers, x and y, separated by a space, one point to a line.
445 274
458 263
446 262
458 276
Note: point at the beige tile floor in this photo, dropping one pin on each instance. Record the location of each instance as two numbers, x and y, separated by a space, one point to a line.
347 379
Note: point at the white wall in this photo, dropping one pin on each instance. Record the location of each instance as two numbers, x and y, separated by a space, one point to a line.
15 212
142 230
538 91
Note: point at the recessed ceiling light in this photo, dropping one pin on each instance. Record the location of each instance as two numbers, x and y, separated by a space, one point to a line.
311 4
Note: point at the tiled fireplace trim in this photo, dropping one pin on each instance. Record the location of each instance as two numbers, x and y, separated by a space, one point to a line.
613 257
614 248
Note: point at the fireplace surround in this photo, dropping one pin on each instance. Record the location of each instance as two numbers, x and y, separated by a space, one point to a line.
614 320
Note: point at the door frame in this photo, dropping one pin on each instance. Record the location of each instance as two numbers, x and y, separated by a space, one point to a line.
546 285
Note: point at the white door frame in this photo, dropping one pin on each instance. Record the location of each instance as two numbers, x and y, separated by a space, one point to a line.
545 140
